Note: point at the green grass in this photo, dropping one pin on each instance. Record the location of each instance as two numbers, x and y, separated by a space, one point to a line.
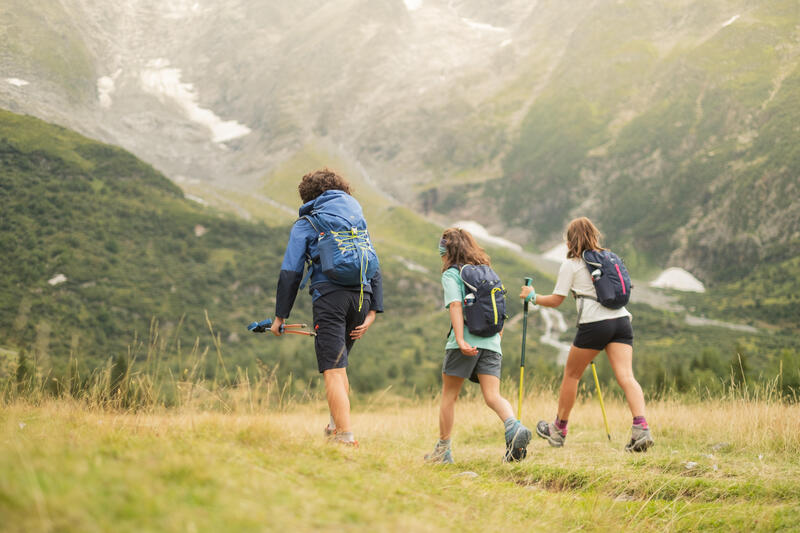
42 42
67 468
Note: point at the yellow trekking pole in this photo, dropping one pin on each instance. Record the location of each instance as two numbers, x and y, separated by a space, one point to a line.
528 282
600 395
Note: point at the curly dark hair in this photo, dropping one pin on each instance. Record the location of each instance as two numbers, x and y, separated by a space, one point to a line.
315 183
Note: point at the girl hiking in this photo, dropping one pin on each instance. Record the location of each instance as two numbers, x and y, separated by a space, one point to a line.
599 328
468 355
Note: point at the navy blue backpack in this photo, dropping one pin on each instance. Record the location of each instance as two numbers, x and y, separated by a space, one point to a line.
346 255
484 301
609 276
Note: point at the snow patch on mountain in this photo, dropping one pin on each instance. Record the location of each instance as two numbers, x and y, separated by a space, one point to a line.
679 280
731 20
413 5
164 82
180 9
16 82
482 26
105 88
480 233
58 279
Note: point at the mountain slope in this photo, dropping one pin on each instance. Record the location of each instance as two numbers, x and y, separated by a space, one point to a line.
97 245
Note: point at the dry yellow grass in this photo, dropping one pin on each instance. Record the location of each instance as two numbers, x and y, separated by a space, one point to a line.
727 464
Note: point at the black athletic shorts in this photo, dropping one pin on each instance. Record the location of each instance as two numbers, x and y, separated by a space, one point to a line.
336 314
596 335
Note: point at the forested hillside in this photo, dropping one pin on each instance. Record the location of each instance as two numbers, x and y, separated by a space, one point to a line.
104 258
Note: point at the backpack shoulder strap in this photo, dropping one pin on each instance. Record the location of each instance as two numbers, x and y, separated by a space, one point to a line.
461 275
589 264
308 217
309 261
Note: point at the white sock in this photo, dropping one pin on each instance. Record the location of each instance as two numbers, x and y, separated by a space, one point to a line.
346 436
332 424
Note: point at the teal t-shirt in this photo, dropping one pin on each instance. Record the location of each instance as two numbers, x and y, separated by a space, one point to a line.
454 292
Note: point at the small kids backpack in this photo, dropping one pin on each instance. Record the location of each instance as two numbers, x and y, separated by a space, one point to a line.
484 302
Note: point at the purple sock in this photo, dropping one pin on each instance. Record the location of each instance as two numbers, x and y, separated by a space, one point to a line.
561 425
640 421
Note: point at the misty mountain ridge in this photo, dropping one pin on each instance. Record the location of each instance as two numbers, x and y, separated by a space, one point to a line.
675 117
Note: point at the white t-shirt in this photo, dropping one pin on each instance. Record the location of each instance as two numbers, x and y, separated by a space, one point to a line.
574 276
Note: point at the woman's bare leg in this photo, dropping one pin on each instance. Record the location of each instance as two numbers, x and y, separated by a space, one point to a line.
577 361
621 358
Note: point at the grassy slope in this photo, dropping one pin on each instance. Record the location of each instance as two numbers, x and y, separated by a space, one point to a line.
669 352
723 464
124 237
690 143
46 46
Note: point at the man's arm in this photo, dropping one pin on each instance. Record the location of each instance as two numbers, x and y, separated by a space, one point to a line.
292 268
376 301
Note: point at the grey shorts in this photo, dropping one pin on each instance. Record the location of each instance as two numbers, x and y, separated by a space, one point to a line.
469 366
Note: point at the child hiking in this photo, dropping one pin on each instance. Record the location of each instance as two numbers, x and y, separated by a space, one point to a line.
599 328
468 355
346 288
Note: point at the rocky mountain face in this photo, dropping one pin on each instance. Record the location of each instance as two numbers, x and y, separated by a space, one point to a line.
669 122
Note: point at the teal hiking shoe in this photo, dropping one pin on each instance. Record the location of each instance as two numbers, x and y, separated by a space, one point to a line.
640 439
517 439
440 455
549 432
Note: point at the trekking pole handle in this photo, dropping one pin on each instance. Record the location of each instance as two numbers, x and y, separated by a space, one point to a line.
528 283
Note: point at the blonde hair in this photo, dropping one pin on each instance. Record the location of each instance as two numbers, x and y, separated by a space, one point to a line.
462 249
582 235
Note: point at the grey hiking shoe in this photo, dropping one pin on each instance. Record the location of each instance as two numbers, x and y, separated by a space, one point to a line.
440 455
640 439
549 432
517 439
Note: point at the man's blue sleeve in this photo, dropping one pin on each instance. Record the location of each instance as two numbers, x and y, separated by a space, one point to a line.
376 283
292 268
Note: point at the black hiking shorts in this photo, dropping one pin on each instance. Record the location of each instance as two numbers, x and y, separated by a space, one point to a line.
596 335
336 314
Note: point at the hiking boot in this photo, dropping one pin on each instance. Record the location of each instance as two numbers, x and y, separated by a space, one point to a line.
549 432
640 439
440 455
517 439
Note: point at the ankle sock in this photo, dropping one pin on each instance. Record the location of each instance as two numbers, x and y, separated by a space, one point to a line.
443 444
561 425
345 436
510 425
332 424
640 421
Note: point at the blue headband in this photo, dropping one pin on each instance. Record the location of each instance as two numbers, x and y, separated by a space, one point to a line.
442 247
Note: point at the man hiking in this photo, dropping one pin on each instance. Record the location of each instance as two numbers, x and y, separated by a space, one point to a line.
346 288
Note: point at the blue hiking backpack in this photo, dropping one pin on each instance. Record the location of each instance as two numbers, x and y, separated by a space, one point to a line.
484 301
346 255
609 276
